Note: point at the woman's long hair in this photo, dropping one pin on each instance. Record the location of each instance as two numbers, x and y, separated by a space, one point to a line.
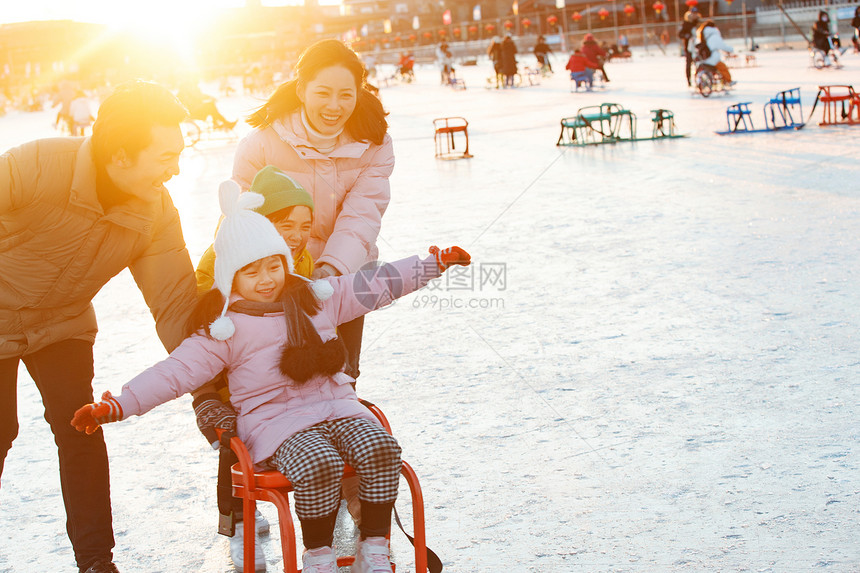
367 122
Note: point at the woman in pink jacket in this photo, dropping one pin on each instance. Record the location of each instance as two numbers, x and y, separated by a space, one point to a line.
329 133
274 333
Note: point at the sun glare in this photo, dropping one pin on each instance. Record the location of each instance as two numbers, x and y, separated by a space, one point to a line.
175 26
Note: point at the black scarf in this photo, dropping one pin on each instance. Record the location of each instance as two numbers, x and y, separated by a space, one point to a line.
304 355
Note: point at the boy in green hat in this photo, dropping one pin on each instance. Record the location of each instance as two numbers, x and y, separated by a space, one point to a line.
289 207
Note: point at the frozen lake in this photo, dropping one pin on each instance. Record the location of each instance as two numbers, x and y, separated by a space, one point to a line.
652 365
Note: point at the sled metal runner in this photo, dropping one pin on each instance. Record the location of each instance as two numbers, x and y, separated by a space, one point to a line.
781 112
612 123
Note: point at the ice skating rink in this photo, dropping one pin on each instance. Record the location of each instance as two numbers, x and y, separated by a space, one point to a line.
652 365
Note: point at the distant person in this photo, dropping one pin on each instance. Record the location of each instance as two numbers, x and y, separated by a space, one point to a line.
509 60
275 333
710 45
201 106
623 43
855 23
82 115
75 212
821 32
405 66
542 52
444 60
494 52
595 55
579 70
65 93
686 37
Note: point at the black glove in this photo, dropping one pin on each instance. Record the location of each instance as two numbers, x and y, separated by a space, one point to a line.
213 414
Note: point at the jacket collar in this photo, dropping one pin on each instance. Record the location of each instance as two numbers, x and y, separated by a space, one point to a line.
83 191
292 132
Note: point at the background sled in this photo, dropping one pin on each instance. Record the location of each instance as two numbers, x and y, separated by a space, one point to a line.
611 123
781 112
841 105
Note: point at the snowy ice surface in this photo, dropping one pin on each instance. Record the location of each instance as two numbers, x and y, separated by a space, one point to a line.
666 379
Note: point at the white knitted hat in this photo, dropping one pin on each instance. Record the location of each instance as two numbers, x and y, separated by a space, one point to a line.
243 237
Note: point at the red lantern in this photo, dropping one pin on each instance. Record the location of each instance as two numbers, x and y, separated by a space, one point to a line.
396 38
489 27
552 19
576 16
658 6
729 2
508 24
412 37
629 10
526 23
691 3
603 13
442 32
457 32
428 35
473 29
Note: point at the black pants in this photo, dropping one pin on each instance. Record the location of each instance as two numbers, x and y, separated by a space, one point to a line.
63 373
688 56
350 332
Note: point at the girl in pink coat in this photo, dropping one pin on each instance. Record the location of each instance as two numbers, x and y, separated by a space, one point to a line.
274 334
329 133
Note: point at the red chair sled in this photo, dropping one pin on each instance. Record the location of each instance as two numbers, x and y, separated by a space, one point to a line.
272 486
841 105
443 138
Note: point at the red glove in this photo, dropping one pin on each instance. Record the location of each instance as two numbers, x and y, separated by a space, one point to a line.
450 256
88 418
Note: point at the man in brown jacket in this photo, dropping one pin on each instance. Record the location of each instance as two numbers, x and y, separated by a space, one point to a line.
74 212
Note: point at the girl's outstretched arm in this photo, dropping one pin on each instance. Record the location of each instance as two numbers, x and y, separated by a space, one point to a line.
194 362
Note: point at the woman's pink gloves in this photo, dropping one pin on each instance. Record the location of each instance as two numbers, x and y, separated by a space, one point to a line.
88 418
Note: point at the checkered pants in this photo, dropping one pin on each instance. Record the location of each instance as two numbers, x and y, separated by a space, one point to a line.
313 461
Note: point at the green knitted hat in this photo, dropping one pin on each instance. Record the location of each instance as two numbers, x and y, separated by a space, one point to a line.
279 190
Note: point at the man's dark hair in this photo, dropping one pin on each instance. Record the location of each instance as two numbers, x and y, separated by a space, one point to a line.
126 118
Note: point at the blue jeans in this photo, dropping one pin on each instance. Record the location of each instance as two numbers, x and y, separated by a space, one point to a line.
63 373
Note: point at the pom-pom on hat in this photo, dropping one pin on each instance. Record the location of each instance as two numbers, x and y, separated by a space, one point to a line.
243 237
279 191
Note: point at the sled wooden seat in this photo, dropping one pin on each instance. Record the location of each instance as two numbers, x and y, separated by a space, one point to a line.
272 486
784 110
739 117
841 105
444 137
